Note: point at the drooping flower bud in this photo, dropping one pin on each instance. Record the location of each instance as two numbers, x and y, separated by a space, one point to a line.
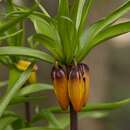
86 80
59 79
76 88
23 65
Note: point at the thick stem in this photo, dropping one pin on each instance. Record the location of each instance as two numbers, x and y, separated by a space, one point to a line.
73 119
28 111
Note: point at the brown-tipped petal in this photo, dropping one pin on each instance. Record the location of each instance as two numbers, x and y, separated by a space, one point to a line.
76 88
86 79
60 86
87 90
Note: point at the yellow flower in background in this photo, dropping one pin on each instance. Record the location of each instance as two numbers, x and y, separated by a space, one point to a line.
33 78
22 65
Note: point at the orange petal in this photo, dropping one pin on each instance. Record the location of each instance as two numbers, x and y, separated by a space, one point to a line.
60 86
75 88
86 79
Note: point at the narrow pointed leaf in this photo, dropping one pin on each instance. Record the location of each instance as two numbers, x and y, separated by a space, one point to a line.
42 8
48 43
109 33
45 26
79 13
13 22
10 35
33 88
115 15
23 51
74 10
10 94
63 8
85 12
99 106
5 121
101 25
14 75
68 36
107 106
22 99
50 117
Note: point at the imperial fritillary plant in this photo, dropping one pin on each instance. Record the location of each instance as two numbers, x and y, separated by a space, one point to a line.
67 43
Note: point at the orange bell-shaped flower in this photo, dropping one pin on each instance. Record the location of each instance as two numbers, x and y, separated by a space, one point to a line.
86 81
76 88
59 79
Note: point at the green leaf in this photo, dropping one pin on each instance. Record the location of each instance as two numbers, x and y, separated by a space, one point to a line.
63 8
33 88
40 128
74 9
22 99
10 94
24 51
93 114
6 60
100 26
106 106
85 12
79 13
99 106
48 43
48 28
18 124
115 15
5 121
41 25
45 26
10 35
5 26
14 75
16 40
42 8
9 113
11 120
50 117
109 33
68 36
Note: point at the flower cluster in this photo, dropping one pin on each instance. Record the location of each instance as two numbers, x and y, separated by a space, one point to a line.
71 85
